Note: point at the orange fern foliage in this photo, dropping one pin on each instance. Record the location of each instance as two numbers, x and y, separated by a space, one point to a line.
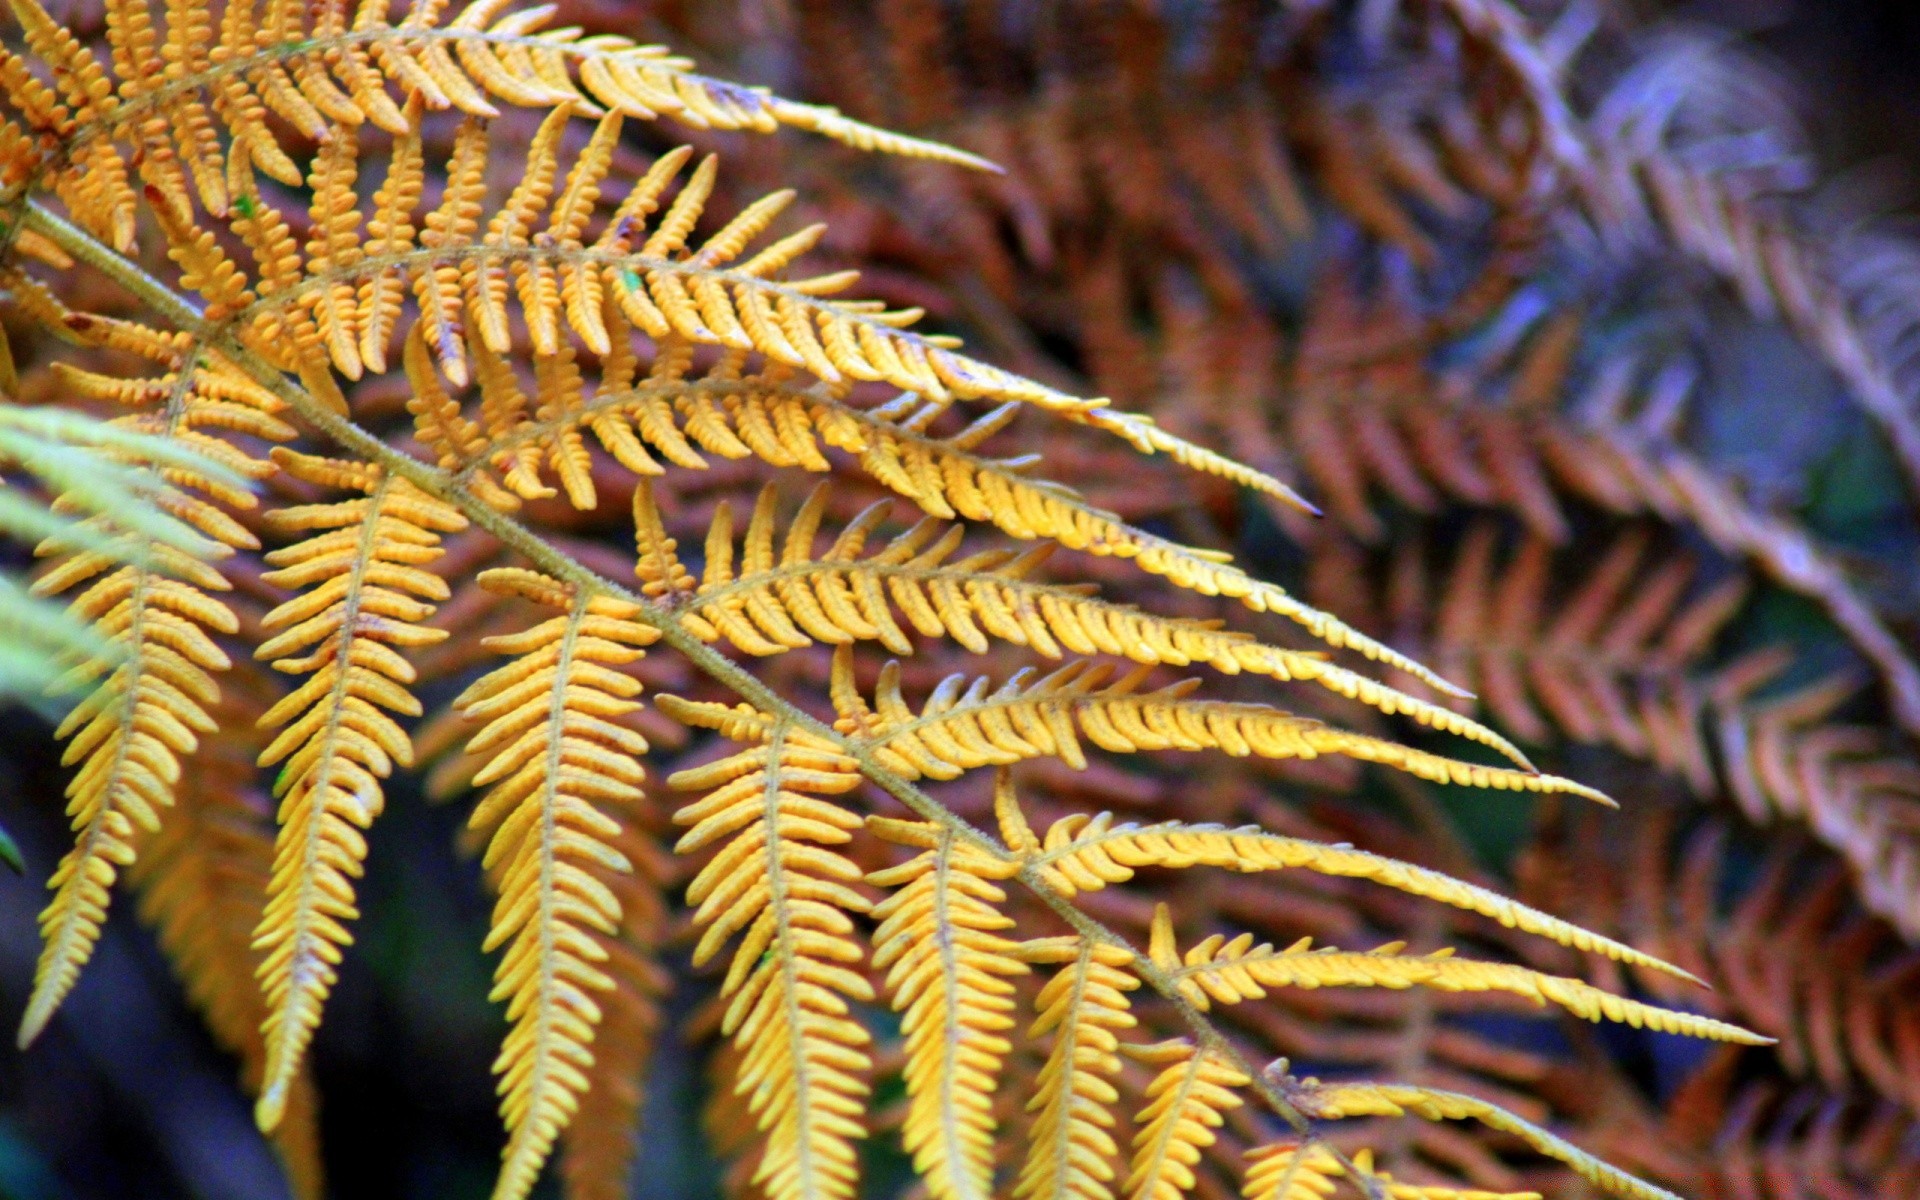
431 247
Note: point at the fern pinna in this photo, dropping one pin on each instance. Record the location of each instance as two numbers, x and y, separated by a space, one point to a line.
565 338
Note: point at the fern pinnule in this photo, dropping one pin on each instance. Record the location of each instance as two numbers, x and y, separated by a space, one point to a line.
558 760
1070 1149
363 593
778 881
155 684
967 725
1186 1102
947 974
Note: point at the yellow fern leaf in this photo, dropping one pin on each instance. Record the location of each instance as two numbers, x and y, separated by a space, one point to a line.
1070 1152
947 974
964 726
364 593
1337 1101
555 755
171 98
150 704
1292 1171
777 881
1235 971
777 604
1085 853
1186 1102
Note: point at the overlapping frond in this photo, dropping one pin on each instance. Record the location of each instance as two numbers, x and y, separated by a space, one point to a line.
784 597
967 725
1071 1151
362 595
778 881
556 759
147 600
948 968
773 415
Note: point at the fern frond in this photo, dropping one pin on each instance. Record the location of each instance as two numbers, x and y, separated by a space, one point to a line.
1084 853
777 417
1232 972
777 881
323 76
965 726
1310 1171
556 755
947 972
155 681
1338 1101
1186 1102
777 604
363 593
1070 1151
1292 1171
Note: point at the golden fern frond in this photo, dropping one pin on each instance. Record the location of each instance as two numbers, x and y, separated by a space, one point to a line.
1311 1171
1070 1151
947 479
1338 1101
1082 853
1292 1171
777 881
1235 971
947 974
651 279
965 726
631 278
321 73
774 604
201 880
154 686
1186 1102
363 593
556 756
